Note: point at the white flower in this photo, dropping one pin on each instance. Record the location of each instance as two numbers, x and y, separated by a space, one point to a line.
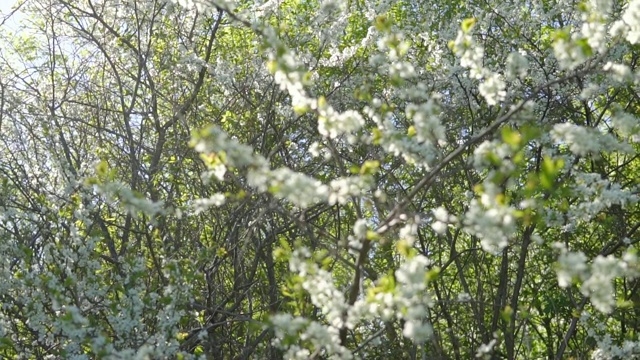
595 33
603 7
486 349
402 69
295 352
490 220
426 118
570 265
627 124
439 227
341 189
443 215
360 229
332 124
219 170
201 205
569 53
517 65
417 331
583 141
408 233
631 17
599 286
443 219
412 272
315 149
470 53
620 72
302 190
493 89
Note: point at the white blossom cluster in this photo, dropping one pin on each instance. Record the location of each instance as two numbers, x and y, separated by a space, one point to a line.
608 351
491 220
596 35
420 155
228 152
118 192
493 89
409 232
627 125
517 65
582 140
493 155
597 194
318 150
394 46
607 348
471 54
596 278
408 302
411 296
300 189
201 205
620 72
292 82
339 57
342 188
426 120
289 74
442 220
360 229
573 48
493 86
318 283
331 18
61 304
485 350
332 124
569 53
631 18
324 339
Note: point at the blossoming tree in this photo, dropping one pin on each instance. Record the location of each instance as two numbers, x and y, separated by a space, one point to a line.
320 179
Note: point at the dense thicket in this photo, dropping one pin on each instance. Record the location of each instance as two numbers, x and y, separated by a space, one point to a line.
320 179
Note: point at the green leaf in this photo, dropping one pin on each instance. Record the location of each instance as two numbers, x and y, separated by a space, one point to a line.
6 343
102 168
377 136
583 44
507 313
372 235
561 34
432 274
383 23
467 24
369 167
624 304
411 131
511 137
549 171
199 350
